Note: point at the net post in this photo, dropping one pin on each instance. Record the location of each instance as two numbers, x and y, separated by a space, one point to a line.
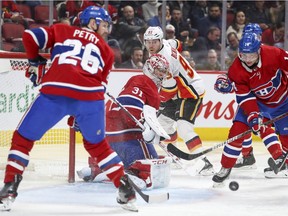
72 143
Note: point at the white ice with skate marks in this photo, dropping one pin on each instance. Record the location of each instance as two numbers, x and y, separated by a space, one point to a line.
188 195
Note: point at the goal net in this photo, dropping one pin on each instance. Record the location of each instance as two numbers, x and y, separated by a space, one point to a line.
54 154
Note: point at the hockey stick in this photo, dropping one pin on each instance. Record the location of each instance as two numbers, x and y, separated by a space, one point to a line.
186 156
154 198
148 198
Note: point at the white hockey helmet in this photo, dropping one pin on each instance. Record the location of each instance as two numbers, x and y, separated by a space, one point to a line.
153 32
156 68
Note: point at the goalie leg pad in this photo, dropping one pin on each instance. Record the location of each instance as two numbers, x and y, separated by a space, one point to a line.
155 172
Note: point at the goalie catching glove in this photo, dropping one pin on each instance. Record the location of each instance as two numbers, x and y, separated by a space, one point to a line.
36 70
223 84
255 121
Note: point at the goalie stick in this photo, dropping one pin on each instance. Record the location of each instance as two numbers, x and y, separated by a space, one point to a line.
186 156
147 198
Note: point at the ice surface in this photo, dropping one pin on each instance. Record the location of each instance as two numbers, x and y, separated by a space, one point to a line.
189 195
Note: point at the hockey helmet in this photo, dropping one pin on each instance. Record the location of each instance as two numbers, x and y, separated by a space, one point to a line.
156 68
249 43
249 47
94 12
153 32
252 28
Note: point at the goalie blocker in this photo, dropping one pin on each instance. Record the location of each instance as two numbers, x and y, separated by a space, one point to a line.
146 174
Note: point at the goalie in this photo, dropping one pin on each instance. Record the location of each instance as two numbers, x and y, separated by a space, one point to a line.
133 145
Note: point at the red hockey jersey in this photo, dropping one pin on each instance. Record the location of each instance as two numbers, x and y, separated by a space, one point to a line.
139 90
81 60
266 83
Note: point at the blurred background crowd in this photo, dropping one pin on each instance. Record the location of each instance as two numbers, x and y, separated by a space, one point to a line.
209 31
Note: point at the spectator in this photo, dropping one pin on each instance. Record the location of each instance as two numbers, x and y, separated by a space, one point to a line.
186 54
189 42
231 49
203 44
127 27
117 52
157 20
197 12
136 59
211 63
182 28
213 19
170 32
238 24
274 36
10 13
74 7
184 7
150 9
260 14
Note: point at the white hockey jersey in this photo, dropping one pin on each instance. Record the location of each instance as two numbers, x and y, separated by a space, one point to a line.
184 80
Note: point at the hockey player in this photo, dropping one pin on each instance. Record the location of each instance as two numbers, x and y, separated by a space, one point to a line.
73 85
224 85
261 90
185 84
133 145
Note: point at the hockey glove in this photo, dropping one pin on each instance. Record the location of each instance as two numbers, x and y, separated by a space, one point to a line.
223 84
36 70
148 134
255 121
73 124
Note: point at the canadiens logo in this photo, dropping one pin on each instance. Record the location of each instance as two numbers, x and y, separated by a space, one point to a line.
268 89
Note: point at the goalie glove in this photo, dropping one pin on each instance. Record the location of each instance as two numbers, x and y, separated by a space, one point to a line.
36 70
148 134
223 84
255 121
73 123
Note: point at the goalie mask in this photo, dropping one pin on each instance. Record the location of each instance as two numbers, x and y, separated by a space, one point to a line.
156 68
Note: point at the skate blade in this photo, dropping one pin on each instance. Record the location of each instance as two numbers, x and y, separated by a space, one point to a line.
272 175
6 204
248 167
218 185
130 206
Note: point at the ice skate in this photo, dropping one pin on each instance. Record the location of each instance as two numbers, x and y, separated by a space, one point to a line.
222 175
9 193
276 165
208 169
126 195
247 162
283 173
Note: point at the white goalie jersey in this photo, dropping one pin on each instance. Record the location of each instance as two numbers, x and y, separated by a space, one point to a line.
184 79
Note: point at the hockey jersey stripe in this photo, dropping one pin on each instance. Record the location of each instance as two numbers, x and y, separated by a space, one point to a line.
41 39
18 156
75 87
110 160
133 102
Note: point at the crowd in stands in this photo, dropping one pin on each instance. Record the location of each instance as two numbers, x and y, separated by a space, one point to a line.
196 24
